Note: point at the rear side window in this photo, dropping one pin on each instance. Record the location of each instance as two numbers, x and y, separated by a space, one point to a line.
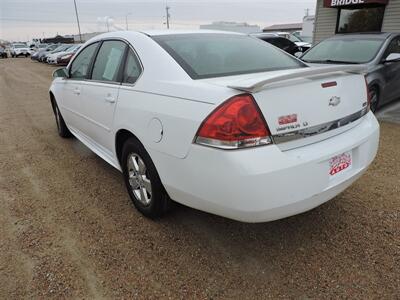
278 42
214 55
108 61
132 69
81 64
285 43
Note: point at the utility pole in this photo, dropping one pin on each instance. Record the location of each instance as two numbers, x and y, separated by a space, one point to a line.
126 20
77 19
167 8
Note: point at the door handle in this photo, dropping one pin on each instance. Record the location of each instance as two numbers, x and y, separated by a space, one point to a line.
110 99
77 91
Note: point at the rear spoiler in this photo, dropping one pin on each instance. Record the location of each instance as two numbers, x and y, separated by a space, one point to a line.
256 84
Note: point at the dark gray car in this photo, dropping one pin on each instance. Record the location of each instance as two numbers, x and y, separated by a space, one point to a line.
379 52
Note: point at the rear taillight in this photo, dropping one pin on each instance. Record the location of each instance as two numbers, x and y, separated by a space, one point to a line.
237 123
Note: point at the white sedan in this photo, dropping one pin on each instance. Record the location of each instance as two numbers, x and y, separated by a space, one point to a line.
217 121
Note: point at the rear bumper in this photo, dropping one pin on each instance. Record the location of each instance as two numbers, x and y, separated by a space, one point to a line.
265 183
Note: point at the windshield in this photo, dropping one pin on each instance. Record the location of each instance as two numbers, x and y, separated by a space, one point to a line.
294 38
20 46
74 48
52 47
61 48
215 55
306 39
347 51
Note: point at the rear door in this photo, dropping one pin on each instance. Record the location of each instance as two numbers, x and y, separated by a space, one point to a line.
100 93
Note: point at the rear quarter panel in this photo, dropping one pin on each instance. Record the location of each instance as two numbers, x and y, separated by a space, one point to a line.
180 119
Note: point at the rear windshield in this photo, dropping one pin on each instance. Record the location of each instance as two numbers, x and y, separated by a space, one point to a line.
214 55
347 50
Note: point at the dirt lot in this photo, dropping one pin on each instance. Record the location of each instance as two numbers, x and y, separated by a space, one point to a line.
68 229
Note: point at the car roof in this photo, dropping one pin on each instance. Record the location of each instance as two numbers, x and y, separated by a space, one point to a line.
278 32
150 33
175 32
264 34
367 35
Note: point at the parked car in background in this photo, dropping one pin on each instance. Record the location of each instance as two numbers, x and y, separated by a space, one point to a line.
53 58
295 39
305 39
3 53
17 50
64 58
280 42
62 47
221 122
379 52
41 46
38 54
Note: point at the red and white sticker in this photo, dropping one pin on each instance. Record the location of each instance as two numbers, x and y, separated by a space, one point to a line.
340 163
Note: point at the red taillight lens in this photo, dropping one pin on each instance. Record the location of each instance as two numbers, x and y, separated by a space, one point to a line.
237 123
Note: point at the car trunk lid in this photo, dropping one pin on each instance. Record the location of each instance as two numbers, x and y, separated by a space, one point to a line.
309 102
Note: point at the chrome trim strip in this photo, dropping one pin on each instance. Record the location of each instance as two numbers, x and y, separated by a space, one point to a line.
318 129
226 145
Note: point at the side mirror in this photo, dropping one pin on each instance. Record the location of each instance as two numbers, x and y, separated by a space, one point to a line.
60 73
393 57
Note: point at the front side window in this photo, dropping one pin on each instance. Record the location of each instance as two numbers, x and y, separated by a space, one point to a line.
108 61
81 64
360 20
214 55
347 50
132 69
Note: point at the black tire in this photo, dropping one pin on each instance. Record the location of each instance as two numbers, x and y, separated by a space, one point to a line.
159 202
62 128
374 93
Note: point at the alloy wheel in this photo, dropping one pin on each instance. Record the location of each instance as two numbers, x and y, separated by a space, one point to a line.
138 179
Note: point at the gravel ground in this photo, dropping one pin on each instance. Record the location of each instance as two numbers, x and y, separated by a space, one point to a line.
68 229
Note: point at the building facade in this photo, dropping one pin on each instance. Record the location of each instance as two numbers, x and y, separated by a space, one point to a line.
351 16
284 27
308 26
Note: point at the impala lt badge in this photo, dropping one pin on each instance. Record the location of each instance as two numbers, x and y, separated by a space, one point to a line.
335 101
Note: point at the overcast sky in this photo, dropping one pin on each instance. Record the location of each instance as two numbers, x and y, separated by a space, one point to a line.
25 19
